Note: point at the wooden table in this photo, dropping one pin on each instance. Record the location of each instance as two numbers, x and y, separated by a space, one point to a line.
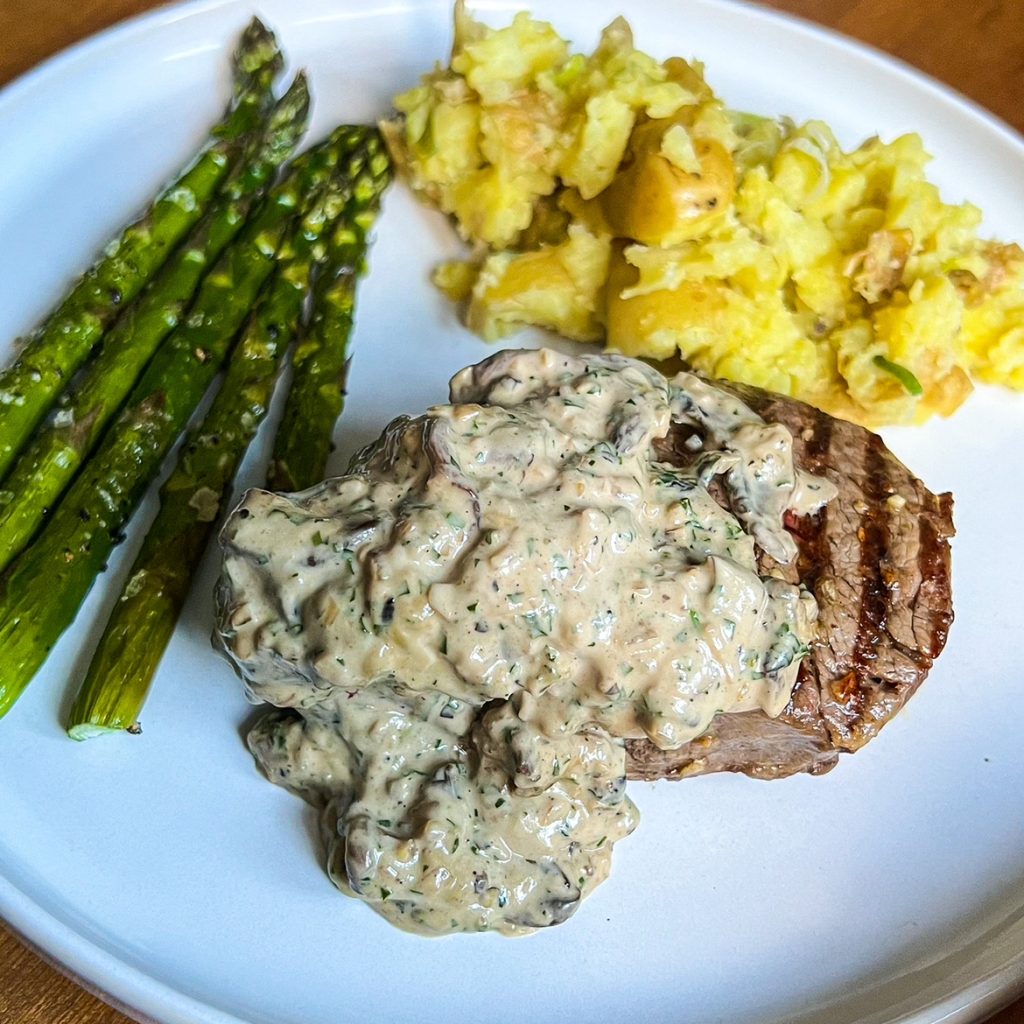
978 48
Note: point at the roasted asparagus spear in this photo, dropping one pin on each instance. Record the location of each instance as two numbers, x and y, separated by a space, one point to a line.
304 436
29 386
41 591
143 619
45 468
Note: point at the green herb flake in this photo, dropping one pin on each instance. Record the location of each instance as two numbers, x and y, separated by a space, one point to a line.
911 384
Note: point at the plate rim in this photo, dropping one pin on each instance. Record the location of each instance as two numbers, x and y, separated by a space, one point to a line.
131 990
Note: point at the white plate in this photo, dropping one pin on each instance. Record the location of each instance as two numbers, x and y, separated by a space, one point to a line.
167 872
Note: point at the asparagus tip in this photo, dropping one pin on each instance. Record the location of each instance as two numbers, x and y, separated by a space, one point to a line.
295 101
258 48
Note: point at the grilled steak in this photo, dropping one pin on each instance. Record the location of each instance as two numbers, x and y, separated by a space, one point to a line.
877 560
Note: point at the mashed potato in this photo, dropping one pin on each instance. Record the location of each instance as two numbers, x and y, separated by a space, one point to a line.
614 198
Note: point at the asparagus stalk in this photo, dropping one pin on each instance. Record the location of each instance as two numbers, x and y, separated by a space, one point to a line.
53 456
41 591
29 386
317 396
142 621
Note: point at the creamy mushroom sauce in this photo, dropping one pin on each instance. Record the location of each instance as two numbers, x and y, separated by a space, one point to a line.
465 628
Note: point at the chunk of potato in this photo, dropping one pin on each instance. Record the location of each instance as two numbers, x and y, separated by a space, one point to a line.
655 202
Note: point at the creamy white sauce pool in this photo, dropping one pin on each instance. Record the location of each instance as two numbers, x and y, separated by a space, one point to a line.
465 628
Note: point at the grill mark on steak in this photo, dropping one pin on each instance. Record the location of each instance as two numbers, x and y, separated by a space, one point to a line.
879 567
873 534
813 529
933 552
